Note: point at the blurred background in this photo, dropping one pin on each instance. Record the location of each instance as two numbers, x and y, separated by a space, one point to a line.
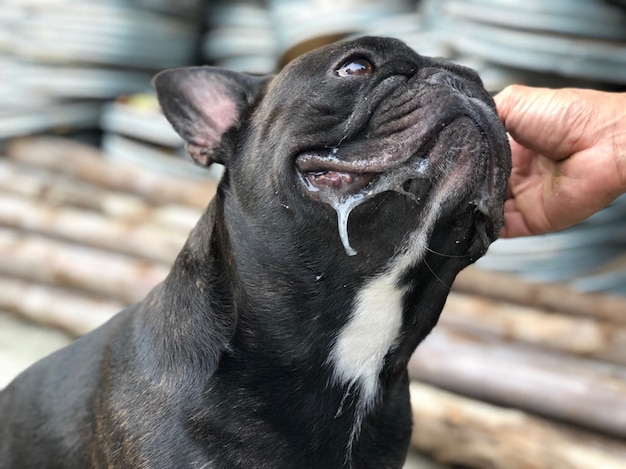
528 365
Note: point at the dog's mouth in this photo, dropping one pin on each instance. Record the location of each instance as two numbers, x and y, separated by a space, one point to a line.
346 184
334 178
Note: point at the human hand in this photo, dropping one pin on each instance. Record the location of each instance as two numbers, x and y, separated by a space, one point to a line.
569 156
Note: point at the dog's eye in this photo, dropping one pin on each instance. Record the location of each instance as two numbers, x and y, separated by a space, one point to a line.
355 67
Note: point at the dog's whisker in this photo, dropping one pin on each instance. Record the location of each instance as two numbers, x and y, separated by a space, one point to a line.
435 275
451 256
382 200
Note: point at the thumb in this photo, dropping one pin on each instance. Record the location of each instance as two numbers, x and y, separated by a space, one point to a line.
550 122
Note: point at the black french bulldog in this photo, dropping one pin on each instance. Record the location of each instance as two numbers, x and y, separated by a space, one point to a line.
359 181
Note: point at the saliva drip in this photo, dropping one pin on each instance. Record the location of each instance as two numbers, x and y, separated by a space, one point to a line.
343 209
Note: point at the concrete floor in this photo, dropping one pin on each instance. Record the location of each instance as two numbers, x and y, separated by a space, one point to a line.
23 343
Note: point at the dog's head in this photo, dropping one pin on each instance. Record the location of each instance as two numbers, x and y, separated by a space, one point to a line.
365 134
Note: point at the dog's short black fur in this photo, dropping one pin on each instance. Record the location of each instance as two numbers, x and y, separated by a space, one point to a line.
270 344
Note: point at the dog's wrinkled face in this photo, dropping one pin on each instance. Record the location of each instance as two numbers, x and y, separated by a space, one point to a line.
367 130
377 117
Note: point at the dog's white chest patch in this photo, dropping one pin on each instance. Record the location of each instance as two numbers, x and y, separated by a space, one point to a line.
370 333
359 351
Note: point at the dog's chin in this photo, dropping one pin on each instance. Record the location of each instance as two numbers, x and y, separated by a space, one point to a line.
486 231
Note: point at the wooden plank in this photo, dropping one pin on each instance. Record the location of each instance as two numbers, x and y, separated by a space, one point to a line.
584 336
87 163
147 241
585 392
458 430
550 296
39 259
62 190
72 312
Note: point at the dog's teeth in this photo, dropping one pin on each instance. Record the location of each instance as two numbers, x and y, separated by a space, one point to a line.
331 179
338 181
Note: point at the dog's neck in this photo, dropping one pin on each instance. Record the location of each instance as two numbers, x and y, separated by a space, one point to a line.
319 349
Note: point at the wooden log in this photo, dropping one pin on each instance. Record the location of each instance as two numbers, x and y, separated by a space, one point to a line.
87 163
584 392
70 311
67 265
177 217
457 430
582 336
60 190
92 229
550 296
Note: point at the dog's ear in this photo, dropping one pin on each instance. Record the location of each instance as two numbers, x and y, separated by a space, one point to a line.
202 103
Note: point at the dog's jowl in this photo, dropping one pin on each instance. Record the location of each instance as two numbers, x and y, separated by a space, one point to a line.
359 181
